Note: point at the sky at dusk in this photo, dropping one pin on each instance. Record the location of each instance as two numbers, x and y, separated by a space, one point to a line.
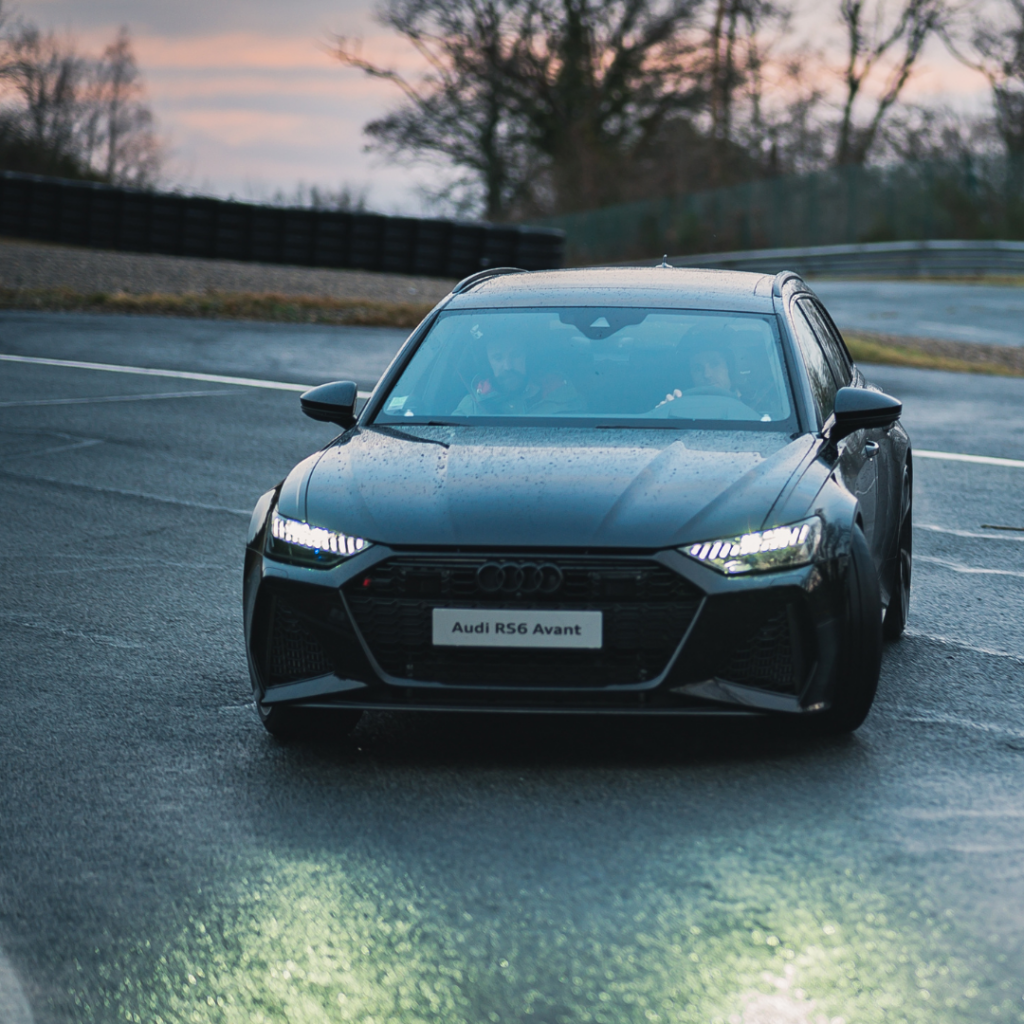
250 101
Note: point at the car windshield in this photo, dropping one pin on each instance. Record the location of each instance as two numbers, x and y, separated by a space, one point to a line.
604 366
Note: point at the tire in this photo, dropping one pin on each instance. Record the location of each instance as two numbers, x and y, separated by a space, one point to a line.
860 661
288 723
899 601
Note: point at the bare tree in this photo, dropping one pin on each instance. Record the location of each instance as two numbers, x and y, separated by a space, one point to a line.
991 40
48 77
784 130
316 197
65 113
538 103
739 48
128 150
887 46
594 82
916 133
458 113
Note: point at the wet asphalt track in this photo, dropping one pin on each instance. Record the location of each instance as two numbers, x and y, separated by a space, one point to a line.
986 314
161 858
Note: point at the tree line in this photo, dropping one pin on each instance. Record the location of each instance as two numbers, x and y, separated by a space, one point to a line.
73 115
534 107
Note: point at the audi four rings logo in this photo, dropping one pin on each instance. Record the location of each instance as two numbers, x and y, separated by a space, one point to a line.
519 578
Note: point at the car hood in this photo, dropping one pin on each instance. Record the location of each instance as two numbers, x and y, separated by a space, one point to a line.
543 487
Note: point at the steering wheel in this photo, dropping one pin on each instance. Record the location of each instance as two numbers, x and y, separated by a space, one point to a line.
739 408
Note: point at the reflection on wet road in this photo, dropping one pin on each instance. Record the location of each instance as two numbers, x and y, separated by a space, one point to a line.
162 859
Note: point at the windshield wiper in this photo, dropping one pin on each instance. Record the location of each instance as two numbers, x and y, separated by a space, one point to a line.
653 425
415 438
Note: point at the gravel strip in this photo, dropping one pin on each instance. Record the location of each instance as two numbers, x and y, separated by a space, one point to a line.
35 265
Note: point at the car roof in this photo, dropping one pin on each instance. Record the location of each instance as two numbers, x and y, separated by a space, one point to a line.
659 287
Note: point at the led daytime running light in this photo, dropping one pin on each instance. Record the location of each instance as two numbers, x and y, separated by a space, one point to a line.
316 538
783 547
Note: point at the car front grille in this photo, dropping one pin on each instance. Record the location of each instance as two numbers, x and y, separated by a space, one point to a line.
756 639
293 651
645 607
765 656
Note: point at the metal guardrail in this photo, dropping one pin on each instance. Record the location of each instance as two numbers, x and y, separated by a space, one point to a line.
875 259
131 220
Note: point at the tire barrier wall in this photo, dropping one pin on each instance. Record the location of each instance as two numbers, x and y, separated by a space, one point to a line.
130 220
878 259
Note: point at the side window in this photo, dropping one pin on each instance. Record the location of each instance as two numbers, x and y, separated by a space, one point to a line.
823 383
827 334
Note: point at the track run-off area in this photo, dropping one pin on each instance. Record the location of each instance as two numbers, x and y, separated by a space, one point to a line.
163 858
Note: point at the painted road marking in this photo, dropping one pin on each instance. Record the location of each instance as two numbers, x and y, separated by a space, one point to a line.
145 371
277 385
142 495
983 460
967 533
945 641
116 398
970 570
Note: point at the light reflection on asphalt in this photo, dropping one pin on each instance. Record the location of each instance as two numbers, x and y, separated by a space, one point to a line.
745 936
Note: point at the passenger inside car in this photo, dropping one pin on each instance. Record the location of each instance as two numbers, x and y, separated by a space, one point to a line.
514 387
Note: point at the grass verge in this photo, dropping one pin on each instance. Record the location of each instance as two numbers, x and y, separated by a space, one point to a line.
293 309
865 346
932 354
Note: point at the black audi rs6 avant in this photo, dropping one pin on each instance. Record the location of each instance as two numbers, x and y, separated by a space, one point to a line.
650 491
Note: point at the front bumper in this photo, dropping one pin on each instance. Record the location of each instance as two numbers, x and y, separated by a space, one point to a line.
679 638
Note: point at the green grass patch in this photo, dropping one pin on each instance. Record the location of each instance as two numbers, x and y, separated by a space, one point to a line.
865 347
293 309
923 354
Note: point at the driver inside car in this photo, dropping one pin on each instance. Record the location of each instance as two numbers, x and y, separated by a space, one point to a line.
709 371
511 390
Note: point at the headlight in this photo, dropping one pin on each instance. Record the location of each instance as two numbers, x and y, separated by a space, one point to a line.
784 547
295 541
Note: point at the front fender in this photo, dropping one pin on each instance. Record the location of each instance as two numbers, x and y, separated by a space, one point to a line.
256 534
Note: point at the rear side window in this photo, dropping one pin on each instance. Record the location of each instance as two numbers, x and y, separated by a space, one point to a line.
819 373
828 336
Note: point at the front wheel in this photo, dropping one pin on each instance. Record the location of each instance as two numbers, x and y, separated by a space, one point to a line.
899 601
290 723
860 661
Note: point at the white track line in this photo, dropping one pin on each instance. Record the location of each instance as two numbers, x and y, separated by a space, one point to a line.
277 385
983 460
145 371
970 570
1013 536
14 1008
945 641
142 495
116 398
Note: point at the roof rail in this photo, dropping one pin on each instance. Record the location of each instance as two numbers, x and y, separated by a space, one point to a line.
482 275
781 278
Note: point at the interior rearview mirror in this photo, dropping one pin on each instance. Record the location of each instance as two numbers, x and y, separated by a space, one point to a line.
332 403
861 409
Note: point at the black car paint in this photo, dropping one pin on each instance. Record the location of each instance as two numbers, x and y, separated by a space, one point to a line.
423 489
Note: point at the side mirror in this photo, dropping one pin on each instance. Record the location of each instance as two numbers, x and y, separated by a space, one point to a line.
860 409
332 403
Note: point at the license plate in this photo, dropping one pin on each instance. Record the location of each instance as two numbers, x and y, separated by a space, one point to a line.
505 627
